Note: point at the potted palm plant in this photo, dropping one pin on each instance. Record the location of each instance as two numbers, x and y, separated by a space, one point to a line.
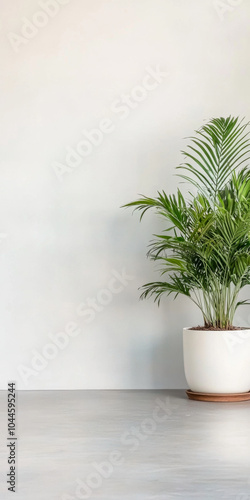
204 253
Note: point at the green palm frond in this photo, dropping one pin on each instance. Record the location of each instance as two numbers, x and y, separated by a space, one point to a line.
157 289
219 148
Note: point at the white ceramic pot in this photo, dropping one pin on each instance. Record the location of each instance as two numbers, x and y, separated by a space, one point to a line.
217 361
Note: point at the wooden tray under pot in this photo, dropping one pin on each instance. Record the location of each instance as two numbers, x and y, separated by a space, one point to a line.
219 398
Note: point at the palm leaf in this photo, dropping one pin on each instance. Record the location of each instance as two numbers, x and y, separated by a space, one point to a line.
219 148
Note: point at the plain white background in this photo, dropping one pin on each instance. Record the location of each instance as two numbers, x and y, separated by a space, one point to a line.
63 238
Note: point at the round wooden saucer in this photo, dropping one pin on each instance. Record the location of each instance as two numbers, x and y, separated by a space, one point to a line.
219 398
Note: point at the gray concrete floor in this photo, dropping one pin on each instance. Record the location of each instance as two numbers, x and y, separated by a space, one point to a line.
133 445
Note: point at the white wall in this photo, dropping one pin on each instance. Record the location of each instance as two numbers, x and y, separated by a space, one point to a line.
63 236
